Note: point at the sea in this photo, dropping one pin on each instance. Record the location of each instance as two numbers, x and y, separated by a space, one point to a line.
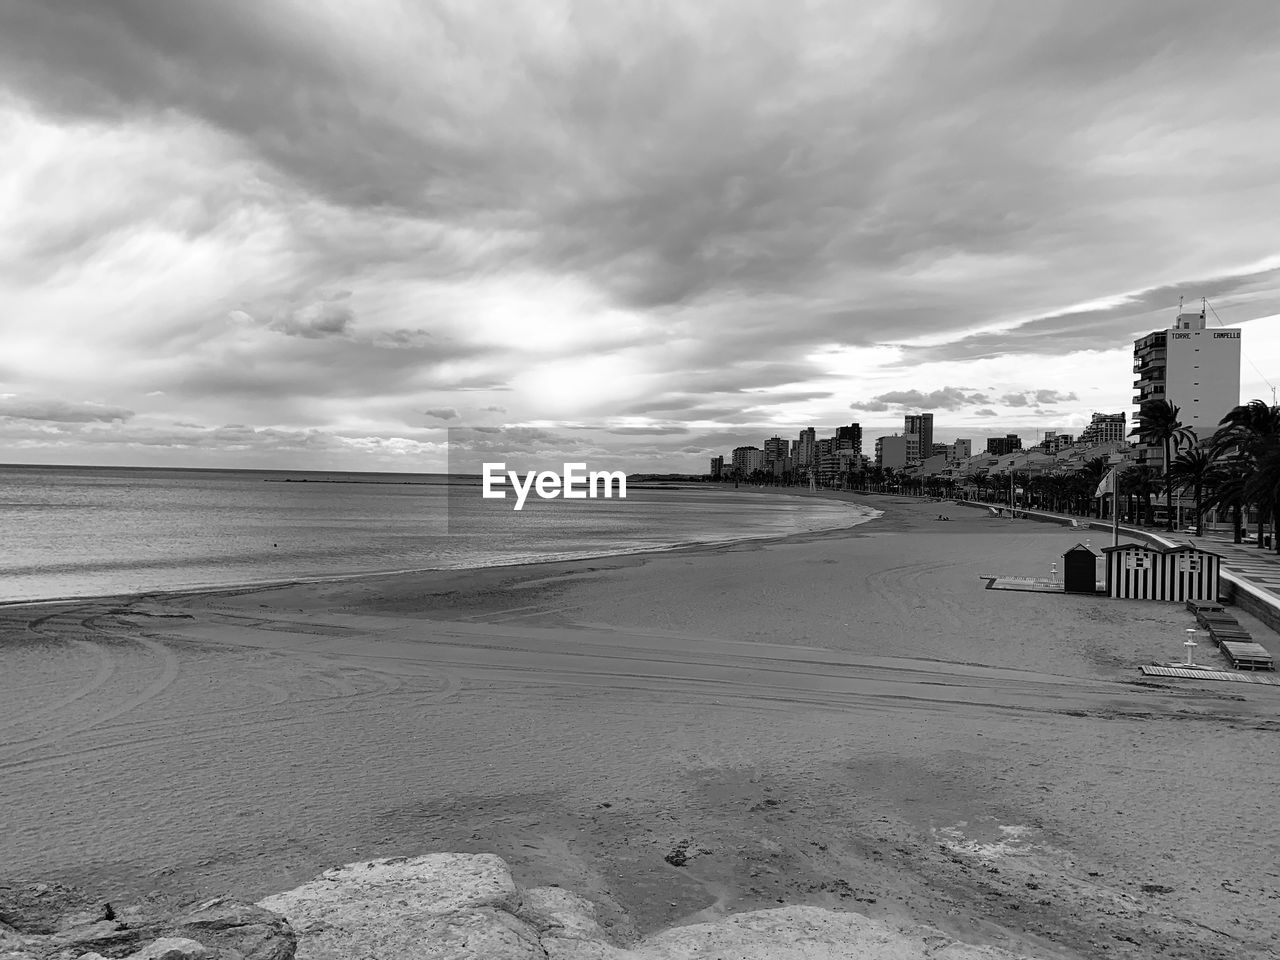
68 532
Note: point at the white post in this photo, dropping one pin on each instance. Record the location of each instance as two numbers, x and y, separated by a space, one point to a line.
1190 643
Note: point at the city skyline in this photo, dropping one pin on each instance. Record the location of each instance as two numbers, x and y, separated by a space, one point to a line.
304 236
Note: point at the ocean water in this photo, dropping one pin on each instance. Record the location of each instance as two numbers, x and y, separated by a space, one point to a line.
93 531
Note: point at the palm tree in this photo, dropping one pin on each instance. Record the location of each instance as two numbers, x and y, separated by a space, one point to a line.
978 479
1194 469
1231 491
1140 482
1252 431
1159 425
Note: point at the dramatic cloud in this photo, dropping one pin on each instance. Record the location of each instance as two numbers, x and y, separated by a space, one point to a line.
442 413
322 219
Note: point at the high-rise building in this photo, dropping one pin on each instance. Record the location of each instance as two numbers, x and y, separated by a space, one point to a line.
920 424
1104 428
717 468
1192 367
805 447
849 438
775 449
963 449
747 460
1001 446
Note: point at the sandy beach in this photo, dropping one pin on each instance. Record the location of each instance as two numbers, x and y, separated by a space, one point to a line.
846 719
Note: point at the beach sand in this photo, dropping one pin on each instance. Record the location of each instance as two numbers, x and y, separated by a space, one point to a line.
845 719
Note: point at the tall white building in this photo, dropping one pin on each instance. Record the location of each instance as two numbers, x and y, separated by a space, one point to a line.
1193 367
747 460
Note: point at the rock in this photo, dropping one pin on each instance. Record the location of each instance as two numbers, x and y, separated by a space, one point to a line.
171 948
566 925
444 905
103 936
232 927
807 933
468 907
33 908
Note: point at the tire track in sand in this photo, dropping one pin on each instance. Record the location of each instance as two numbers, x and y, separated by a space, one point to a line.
79 722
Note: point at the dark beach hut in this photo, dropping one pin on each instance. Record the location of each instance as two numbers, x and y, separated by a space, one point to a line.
1080 570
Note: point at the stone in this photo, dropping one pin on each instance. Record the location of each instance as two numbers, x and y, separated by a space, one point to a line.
468 907
807 933
233 927
566 924
107 936
171 948
445 905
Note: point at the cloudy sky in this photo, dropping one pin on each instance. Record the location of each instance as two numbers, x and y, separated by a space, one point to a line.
321 234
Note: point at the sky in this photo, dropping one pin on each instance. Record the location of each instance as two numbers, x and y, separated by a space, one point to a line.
328 235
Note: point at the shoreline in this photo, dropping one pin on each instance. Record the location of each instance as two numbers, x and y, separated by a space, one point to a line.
842 718
241 586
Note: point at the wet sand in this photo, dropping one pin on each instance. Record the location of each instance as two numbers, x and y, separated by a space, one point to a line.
846 719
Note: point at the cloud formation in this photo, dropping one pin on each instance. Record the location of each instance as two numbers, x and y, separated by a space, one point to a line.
944 398
726 217
60 411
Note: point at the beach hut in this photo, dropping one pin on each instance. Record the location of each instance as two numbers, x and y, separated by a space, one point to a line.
1139 572
1080 570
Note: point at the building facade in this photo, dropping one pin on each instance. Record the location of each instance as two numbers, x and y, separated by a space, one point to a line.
717 468
921 426
775 449
806 447
747 460
1002 446
1104 428
849 438
891 452
1192 367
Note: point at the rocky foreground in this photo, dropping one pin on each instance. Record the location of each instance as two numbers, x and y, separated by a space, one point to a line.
444 905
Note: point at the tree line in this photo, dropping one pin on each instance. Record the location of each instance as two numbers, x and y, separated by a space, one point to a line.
1237 471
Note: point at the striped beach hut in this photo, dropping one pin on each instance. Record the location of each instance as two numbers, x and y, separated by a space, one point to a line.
1139 572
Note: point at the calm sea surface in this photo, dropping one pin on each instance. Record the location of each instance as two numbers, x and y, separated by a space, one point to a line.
89 531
